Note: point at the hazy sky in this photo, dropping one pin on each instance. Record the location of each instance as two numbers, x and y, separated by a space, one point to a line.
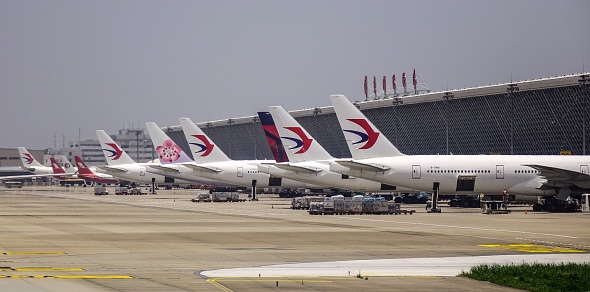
69 65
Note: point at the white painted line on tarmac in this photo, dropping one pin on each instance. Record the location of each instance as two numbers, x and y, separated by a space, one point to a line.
424 267
460 227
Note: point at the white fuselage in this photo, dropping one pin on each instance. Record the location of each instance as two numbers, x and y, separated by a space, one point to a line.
468 174
323 176
243 173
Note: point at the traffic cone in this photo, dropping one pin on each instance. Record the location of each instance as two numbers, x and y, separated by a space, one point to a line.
526 211
272 206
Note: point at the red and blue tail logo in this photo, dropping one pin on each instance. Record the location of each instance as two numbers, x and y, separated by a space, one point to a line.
370 137
272 135
303 143
206 147
115 153
29 159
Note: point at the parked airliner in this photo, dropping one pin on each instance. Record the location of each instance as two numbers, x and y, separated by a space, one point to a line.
211 163
87 174
121 166
308 160
375 158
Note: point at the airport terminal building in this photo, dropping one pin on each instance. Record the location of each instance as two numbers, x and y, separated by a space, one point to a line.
546 116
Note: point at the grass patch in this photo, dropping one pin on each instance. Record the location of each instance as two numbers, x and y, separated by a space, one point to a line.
535 277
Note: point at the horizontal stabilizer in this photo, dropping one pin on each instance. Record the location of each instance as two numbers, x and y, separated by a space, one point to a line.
202 168
112 169
31 169
361 165
296 168
166 168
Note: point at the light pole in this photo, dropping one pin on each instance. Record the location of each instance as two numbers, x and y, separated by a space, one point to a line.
584 82
446 97
137 144
511 89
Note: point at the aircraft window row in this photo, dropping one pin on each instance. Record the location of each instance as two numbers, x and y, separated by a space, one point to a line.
253 171
526 171
457 171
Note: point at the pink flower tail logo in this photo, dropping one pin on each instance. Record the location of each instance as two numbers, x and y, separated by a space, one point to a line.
169 152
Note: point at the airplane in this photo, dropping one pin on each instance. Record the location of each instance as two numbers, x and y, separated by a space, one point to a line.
87 174
273 138
374 157
31 164
121 166
37 169
65 163
308 160
61 173
172 159
211 162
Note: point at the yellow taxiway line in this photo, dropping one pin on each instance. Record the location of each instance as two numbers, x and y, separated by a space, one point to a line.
67 276
26 253
529 248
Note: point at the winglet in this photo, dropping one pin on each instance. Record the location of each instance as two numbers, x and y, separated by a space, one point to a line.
363 138
202 148
167 150
272 135
305 148
111 150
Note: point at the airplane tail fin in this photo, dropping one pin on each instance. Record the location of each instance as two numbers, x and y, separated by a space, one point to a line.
82 168
111 150
27 159
203 149
272 135
363 138
304 148
167 150
68 167
56 167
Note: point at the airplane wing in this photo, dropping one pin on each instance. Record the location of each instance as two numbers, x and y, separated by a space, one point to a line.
112 169
202 168
165 168
296 168
353 164
555 175
35 175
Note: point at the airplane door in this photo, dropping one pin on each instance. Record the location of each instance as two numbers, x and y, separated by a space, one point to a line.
142 171
499 171
584 169
240 172
416 171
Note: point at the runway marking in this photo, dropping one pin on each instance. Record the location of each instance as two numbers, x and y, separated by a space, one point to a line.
218 285
554 243
460 227
67 276
529 248
25 253
39 269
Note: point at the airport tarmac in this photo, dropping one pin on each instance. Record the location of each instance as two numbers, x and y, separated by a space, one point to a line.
67 239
